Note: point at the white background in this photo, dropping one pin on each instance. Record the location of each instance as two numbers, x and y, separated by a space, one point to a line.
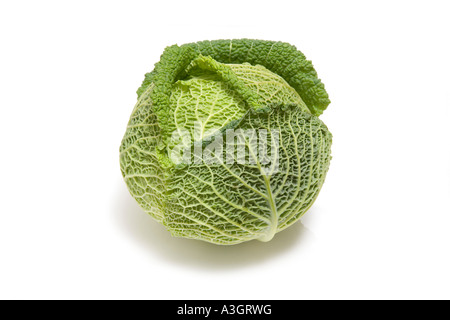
380 228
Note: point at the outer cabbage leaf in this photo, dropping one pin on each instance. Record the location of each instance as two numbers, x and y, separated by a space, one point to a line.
227 204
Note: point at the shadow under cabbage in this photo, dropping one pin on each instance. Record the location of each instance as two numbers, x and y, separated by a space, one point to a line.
153 236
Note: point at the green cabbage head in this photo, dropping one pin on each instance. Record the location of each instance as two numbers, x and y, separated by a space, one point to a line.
224 143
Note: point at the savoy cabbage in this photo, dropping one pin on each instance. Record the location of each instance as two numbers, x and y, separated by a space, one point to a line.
196 95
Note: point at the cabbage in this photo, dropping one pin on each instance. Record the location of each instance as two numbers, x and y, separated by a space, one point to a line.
225 144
